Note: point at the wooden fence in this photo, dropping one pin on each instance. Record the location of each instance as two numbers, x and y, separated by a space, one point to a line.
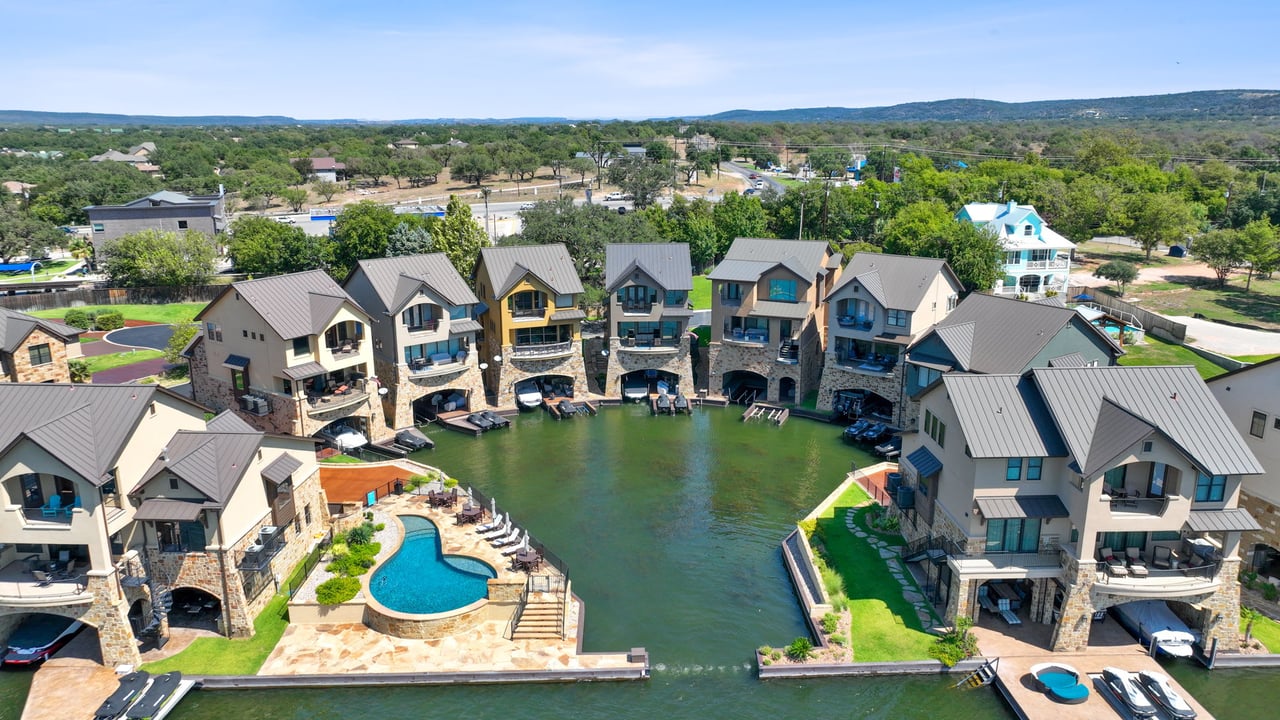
109 296
1152 323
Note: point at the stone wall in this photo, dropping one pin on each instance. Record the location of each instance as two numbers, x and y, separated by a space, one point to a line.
886 385
1071 634
212 572
514 369
1268 516
1220 613
425 627
107 611
300 539
622 361
405 387
729 357
54 371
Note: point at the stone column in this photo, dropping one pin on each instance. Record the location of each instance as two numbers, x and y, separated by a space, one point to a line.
959 601
110 614
1072 631
1222 609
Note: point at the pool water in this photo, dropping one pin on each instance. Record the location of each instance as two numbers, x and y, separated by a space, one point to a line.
420 579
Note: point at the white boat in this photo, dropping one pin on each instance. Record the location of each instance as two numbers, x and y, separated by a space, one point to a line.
1152 621
528 395
635 390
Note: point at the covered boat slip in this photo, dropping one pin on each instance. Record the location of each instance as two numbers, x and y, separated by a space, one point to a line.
1151 621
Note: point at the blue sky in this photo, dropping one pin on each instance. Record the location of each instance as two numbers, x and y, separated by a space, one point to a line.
383 59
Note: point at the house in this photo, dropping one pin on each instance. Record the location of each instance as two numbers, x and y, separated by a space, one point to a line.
424 337
289 354
1037 260
1251 398
1069 490
648 286
328 169
138 156
126 510
35 349
767 318
881 304
530 318
405 144
164 210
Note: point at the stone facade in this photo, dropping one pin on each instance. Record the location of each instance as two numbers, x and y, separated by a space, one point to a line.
20 369
105 609
407 387
1267 515
513 369
288 415
886 385
624 360
731 356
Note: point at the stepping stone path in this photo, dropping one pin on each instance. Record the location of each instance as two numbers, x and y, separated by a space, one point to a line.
890 553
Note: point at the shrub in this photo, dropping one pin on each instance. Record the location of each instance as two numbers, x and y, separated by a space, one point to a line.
838 639
800 649
337 590
361 534
955 645
78 318
830 623
1270 592
339 549
79 371
764 650
807 527
840 603
109 320
451 482
368 515
379 527
417 481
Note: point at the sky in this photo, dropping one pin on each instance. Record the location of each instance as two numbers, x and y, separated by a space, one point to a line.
389 59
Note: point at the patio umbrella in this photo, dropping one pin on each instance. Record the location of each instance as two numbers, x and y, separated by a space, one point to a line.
493 507
524 547
1083 297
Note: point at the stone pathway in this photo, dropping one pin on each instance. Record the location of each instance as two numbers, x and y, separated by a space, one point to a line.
889 553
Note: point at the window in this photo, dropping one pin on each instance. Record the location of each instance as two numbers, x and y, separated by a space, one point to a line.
925 375
1113 479
1119 540
239 380
458 313
244 333
419 317
1257 424
173 483
952 301
1147 446
213 331
544 335
1013 257
1013 469
731 292
297 524
1210 488
1010 281
935 429
782 290
306 513
1033 468
302 346
1013 535
286 386
896 318
182 224
1041 255
1166 536
676 298
98 227
40 354
1155 487
1027 230
565 301
526 304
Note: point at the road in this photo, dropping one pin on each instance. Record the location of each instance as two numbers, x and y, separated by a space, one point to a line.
747 172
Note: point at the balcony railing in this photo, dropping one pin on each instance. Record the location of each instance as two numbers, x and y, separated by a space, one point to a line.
1046 265
854 323
344 348
747 337
525 313
868 365
427 326
730 301
542 351
335 400
637 308
1147 507
37 516
424 367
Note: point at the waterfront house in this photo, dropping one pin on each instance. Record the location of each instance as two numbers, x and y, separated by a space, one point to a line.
880 304
34 349
1251 398
1066 491
531 321
1037 260
126 510
648 286
767 318
423 333
165 210
289 354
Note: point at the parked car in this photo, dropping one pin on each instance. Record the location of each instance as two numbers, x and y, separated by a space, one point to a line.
614 196
759 184
341 436
527 205
749 191
754 176
285 219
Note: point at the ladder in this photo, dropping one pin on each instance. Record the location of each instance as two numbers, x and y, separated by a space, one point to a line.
982 677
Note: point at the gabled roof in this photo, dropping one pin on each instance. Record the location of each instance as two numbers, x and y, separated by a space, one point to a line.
1115 431
749 258
397 279
293 305
550 264
210 461
1171 399
667 263
897 282
84 426
1002 416
326 163
990 334
16 326
281 469
166 197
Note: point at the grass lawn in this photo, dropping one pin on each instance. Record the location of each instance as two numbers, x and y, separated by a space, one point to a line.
223 656
700 296
46 271
885 626
1259 306
341 460
170 313
1106 252
1254 358
1267 632
98 363
1159 352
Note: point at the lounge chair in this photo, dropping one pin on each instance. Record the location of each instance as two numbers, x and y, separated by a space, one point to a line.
984 599
499 531
1162 557
514 547
507 539
42 578
1137 567
1115 566
493 525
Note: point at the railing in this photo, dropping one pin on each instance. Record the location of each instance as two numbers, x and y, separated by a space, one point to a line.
789 352
544 350
1207 571
423 366
346 347
428 326
1049 554
846 321
637 308
1138 506
754 337
645 341
536 312
299 576
260 558
60 516
1045 265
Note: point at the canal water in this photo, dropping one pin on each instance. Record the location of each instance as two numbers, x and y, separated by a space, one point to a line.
670 528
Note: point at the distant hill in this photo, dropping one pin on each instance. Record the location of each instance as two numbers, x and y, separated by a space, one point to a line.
1218 104
1202 104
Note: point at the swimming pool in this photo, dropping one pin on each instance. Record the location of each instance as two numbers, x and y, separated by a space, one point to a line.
419 579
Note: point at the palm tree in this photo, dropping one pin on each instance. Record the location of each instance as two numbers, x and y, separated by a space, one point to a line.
1249 615
81 249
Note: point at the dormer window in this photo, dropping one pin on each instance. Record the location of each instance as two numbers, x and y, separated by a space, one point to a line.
1027 230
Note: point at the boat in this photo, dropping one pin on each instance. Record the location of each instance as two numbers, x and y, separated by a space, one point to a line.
528 395
635 391
131 686
1153 621
1124 685
1060 682
413 439
664 403
480 421
682 404
1161 690
148 706
38 637
852 432
567 407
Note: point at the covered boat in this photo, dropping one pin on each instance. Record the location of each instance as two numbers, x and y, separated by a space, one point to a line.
528 395
635 390
148 706
1152 621
413 439
38 637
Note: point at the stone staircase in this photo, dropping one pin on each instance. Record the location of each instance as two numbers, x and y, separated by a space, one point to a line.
542 618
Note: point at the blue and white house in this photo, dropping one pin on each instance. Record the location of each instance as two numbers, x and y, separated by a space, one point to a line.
1036 259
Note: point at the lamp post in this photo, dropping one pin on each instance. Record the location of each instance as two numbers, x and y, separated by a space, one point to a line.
484 192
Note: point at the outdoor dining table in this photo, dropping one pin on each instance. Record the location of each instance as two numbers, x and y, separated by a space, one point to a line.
441 499
528 560
470 515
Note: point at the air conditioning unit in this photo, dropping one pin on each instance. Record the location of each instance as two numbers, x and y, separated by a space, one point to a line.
253 549
266 533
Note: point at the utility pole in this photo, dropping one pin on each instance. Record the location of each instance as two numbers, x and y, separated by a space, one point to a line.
800 235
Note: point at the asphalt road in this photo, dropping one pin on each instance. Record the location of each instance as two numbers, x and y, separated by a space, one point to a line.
155 337
746 173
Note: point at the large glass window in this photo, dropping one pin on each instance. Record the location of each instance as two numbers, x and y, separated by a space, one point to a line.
782 290
420 317
1258 424
544 335
896 318
1210 488
636 297
1013 469
40 354
676 298
1041 255
424 351
302 345
731 292
1013 535
1013 257
565 301
527 303
1119 541
1155 488
1113 479
458 313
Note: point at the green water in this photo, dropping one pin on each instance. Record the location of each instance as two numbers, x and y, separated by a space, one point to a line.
670 528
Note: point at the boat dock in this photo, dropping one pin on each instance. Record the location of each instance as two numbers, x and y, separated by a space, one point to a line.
762 411
456 420
1110 646
671 408
581 407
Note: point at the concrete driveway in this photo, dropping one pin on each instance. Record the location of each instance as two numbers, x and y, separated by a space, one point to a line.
1227 339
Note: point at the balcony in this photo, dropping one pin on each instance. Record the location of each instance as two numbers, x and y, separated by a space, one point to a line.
425 326
875 366
545 350
646 344
854 323
533 313
1137 508
1162 583
756 337
637 308
36 517
18 587
345 349
1046 265
343 396
730 301
426 367
1044 563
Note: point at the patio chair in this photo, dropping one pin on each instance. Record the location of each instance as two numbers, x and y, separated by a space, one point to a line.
77 503
42 578
52 509
507 539
1115 566
69 572
1162 557
1137 567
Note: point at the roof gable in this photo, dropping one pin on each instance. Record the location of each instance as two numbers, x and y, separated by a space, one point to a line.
278 300
667 263
901 280
549 264
807 258
395 280
15 327
210 462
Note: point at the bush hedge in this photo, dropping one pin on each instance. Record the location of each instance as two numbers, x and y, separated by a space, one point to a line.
78 318
337 590
109 320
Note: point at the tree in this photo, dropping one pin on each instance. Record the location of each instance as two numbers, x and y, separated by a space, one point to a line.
155 258
459 236
409 239
556 155
262 246
23 234
294 197
658 150
1119 272
304 168
182 334
361 231
581 166
1260 248
519 164
473 166
600 150
698 161
326 189
829 162
1222 251
975 255
918 229
1159 218
584 230
259 188
736 216
642 178
1249 616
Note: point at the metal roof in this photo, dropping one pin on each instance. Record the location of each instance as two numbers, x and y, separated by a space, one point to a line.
84 426
1173 399
774 308
459 327
1116 431
163 510
281 469
667 263
1231 520
897 282
1022 506
1074 359
396 280
16 326
807 258
294 305
305 370
1002 416
238 362
550 264
210 462
740 270
925 462
569 314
